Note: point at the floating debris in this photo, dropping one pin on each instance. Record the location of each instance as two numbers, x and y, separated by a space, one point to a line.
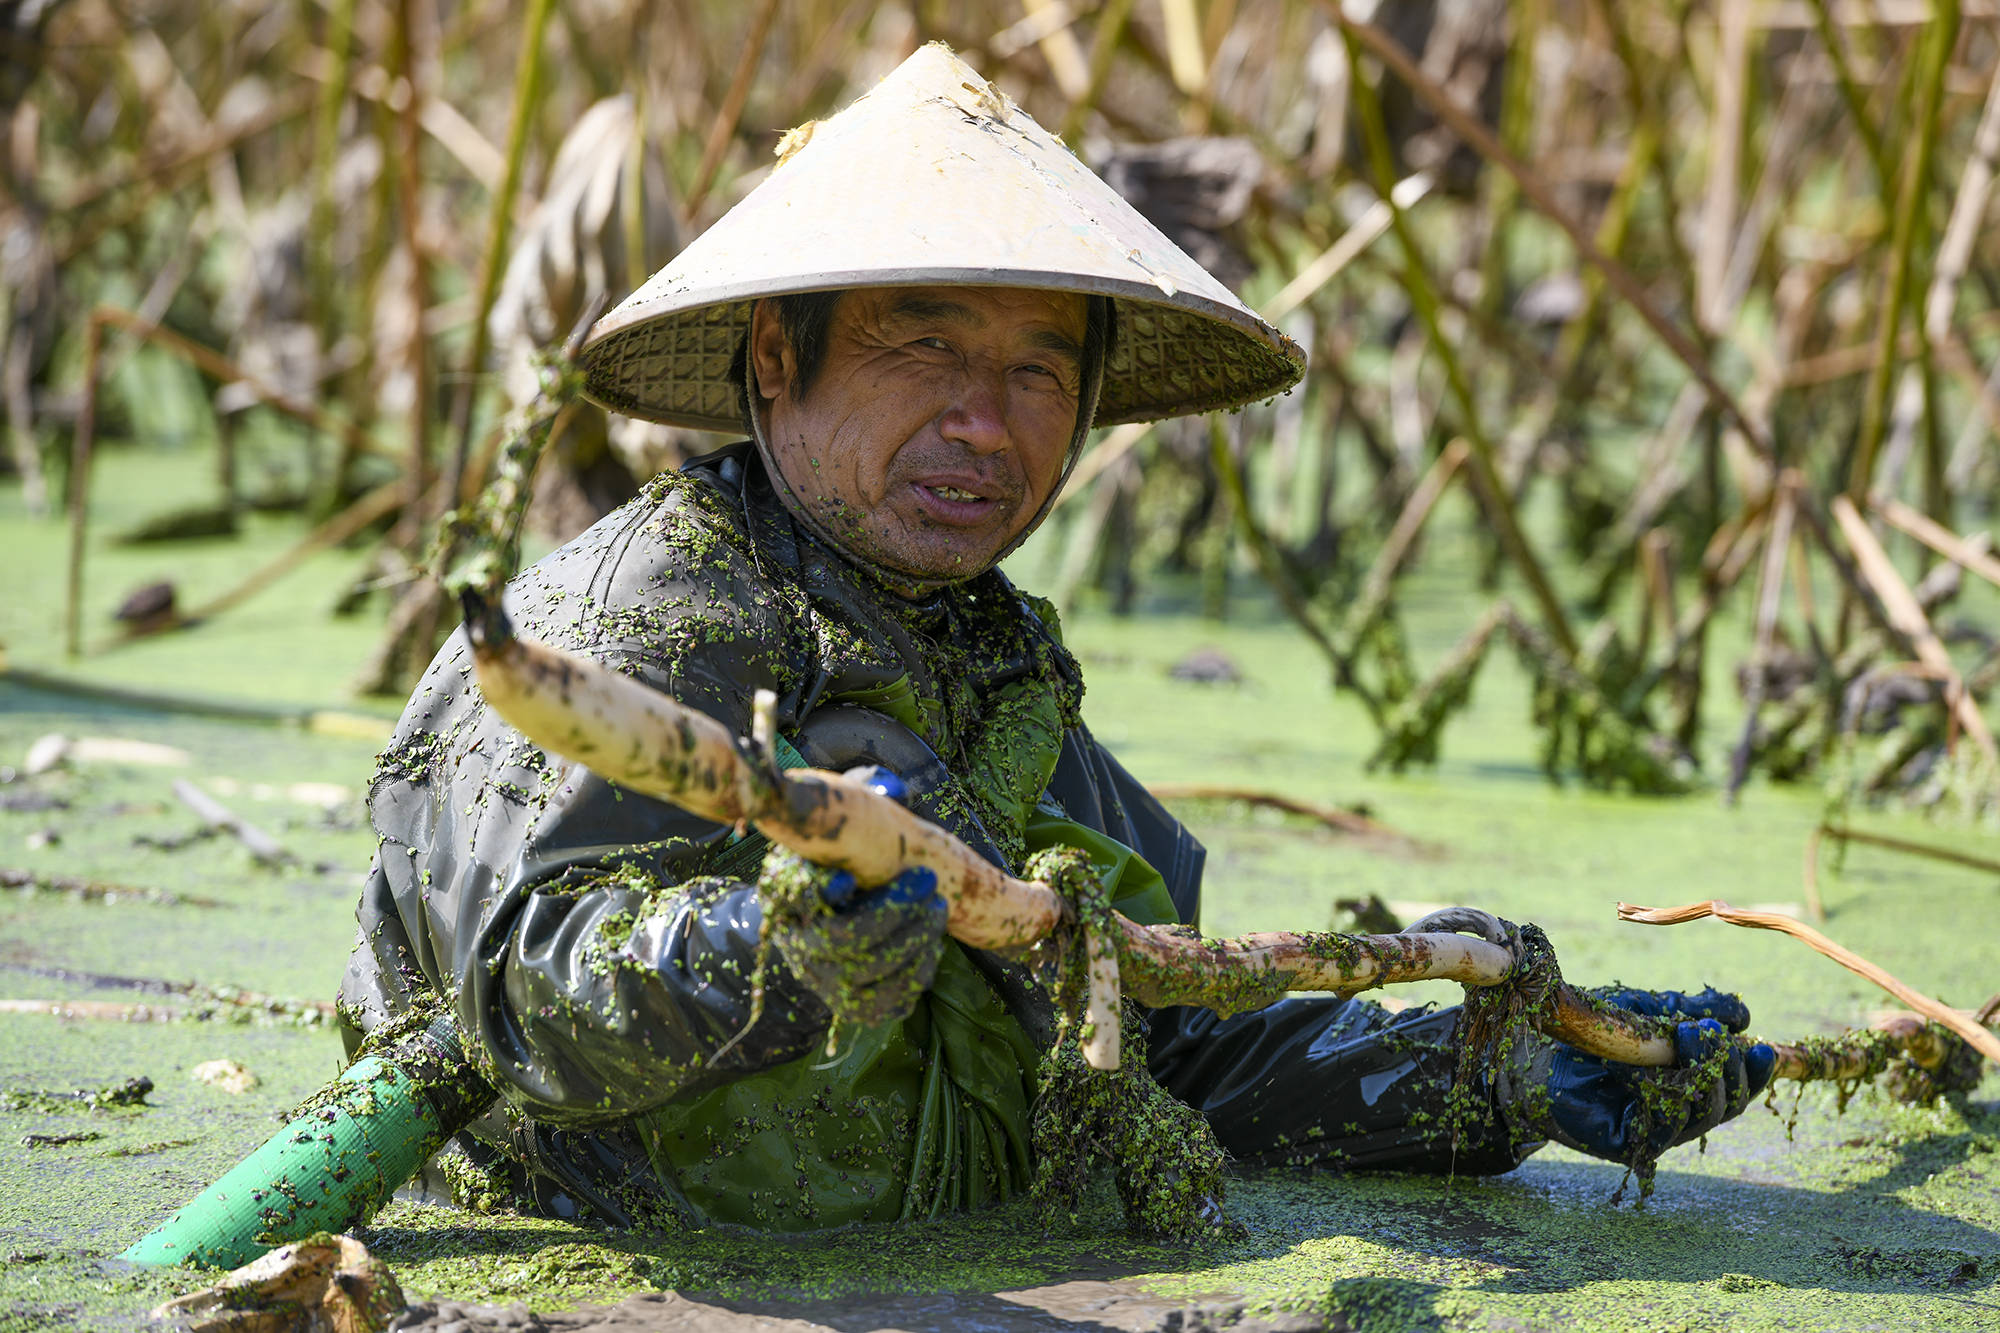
263 848
144 1149
226 1075
90 890
46 753
57 1140
132 1092
147 609
1365 916
95 1009
319 794
1351 819
323 1282
1207 666
31 801
174 842
56 750
228 1004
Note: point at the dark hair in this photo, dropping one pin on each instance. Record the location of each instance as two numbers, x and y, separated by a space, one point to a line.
805 317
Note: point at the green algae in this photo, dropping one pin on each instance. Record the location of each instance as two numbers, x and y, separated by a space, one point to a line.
1884 1216
1873 1217
1162 1154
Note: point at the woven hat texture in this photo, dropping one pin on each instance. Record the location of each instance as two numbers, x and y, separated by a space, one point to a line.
934 177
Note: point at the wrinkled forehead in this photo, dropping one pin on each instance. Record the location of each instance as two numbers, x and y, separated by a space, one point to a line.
1038 314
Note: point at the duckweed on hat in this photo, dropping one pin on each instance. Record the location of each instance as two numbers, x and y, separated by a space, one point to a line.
934 177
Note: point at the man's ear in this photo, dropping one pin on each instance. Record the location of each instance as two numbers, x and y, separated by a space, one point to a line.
770 352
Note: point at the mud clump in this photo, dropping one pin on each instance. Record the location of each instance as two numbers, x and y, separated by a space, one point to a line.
1235 1317
465 1317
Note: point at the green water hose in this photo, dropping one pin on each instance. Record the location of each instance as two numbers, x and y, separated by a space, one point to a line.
330 1169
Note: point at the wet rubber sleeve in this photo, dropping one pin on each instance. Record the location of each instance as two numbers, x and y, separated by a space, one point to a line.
1316 1080
566 922
590 1020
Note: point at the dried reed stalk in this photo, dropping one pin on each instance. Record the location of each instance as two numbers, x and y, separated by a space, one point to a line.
1850 92
527 101
1725 124
1187 60
1771 587
1360 234
1934 57
1466 125
1814 904
79 484
1493 495
1907 618
1978 1037
326 152
1381 579
1340 821
1059 46
1264 551
225 371
409 200
1115 444
153 178
723 127
370 508
1936 536
1111 22
1841 833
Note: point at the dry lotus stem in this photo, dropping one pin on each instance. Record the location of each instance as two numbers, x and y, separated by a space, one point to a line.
643 740
1975 1035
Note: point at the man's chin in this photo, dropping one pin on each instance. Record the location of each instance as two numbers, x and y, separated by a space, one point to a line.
925 564
954 567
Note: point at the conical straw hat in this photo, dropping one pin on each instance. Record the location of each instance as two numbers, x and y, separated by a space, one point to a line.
934 177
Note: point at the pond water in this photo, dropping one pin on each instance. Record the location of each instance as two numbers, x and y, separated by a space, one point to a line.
1796 1217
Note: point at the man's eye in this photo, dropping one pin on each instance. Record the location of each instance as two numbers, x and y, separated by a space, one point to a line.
935 344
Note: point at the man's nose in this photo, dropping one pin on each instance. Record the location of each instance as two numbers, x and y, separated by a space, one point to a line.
977 416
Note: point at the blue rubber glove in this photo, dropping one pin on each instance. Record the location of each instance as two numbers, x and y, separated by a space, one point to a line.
1599 1106
868 953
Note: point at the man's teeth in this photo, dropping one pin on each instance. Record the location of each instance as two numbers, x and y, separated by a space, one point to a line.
954 493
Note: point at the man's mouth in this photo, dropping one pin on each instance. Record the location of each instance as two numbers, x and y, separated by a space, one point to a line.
956 505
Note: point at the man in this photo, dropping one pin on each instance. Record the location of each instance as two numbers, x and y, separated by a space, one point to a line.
917 319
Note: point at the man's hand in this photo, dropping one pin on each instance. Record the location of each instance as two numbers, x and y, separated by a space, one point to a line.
867 953
1624 1113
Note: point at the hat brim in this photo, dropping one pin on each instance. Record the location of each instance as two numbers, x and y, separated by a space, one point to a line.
674 366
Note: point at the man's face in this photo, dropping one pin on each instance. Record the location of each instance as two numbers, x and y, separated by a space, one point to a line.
938 422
